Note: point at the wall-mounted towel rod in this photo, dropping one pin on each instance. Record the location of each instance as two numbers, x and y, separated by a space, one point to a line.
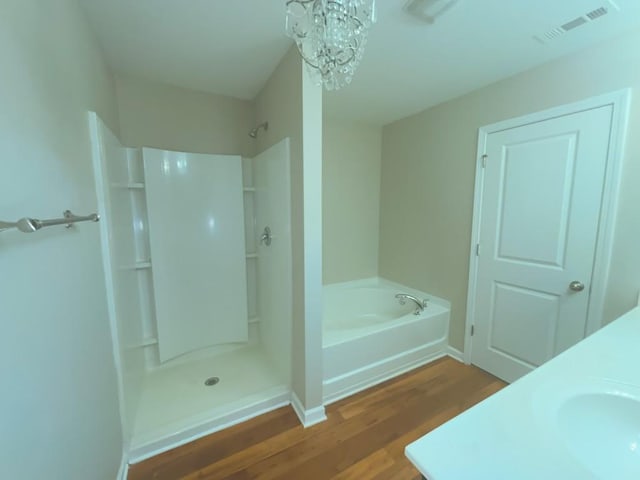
29 225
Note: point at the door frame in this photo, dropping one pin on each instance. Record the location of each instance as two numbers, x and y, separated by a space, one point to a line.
620 101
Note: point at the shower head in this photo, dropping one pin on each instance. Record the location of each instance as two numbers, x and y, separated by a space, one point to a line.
253 133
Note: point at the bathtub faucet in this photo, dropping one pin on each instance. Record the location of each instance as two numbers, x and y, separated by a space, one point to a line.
422 304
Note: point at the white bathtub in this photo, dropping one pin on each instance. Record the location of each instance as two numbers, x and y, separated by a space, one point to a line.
368 337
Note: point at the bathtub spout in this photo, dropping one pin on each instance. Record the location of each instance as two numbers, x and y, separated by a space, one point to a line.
422 304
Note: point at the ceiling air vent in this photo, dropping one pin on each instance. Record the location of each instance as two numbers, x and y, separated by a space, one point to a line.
551 34
576 22
598 12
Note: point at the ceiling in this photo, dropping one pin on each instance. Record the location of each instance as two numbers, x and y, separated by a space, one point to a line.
231 47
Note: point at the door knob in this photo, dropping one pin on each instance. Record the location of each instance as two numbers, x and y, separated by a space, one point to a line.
576 286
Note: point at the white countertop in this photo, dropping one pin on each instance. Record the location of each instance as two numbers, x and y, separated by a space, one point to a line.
520 433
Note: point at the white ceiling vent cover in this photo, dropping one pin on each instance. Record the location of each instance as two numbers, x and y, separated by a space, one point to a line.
597 13
577 22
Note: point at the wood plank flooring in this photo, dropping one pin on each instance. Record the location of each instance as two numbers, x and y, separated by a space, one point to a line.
363 437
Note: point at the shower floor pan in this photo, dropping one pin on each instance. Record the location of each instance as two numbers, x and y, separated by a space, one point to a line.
176 406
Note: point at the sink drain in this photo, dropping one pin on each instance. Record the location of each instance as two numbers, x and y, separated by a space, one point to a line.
209 382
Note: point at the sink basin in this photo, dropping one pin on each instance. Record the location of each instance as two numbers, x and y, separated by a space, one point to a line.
602 431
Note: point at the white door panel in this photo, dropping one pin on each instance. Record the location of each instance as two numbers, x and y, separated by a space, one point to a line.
547 163
524 323
541 201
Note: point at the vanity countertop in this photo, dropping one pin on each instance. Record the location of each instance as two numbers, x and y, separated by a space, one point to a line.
575 417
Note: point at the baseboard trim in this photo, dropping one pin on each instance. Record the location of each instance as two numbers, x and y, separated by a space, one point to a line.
455 354
123 471
307 417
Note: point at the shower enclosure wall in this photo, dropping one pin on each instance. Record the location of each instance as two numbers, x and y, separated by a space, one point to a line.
200 306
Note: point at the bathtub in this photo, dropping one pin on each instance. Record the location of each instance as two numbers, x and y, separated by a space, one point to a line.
369 337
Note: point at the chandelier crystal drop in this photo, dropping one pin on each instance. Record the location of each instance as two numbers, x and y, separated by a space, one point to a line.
330 35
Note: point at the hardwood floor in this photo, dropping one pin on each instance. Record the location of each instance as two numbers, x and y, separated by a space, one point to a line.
363 438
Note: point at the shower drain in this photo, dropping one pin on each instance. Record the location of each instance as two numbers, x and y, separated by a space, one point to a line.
209 382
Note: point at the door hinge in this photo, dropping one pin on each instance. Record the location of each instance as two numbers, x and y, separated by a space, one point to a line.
477 249
484 160
473 329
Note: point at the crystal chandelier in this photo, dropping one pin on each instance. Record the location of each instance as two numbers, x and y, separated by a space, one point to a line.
330 35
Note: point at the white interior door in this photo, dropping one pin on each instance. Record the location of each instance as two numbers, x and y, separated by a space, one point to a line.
540 209
196 231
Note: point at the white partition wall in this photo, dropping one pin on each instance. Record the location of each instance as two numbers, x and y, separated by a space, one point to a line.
196 225
273 210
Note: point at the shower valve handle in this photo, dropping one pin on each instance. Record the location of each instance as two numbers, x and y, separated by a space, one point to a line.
266 236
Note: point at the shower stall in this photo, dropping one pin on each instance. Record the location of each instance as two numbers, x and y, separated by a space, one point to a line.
197 260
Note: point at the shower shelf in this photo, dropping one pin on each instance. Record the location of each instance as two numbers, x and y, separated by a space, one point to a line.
137 266
254 319
252 255
146 342
248 189
128 185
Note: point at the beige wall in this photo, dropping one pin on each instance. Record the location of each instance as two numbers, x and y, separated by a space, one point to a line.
428 168
173 118
351 156
59 397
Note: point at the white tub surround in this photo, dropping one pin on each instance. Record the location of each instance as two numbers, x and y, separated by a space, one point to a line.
179 324
195 207
575 417
369 336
